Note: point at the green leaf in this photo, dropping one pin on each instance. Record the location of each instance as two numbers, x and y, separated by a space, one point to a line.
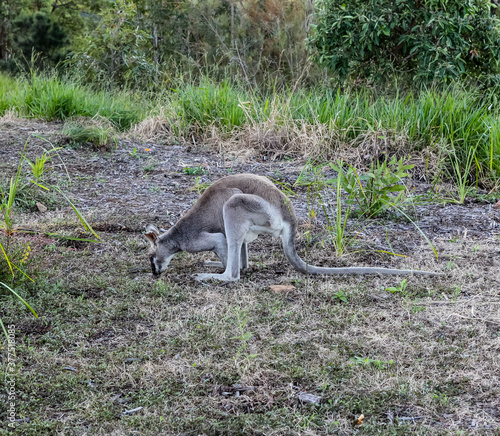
20 298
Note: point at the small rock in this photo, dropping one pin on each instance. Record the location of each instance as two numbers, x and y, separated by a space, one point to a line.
309 398
42 208
281 288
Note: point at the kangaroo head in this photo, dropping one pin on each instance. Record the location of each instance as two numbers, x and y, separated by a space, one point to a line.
163 249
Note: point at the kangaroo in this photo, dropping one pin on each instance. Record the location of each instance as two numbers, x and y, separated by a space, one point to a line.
232 212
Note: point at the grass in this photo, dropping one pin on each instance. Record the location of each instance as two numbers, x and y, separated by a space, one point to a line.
82 133
322 121
118 353
232 360
295 121
51 98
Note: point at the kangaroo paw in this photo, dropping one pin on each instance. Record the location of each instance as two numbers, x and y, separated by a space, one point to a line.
221 277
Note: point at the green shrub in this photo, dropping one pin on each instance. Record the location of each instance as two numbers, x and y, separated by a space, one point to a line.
427 40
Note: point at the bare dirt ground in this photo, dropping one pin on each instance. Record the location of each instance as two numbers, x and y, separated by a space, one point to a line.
115 352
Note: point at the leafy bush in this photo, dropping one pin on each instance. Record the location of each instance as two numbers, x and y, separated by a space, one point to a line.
429 39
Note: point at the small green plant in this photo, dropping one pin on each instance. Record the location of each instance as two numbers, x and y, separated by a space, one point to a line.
441 399
340 296
199 187
194 171
416 309
460 172
240 320
38 167
133 153
341 241
380 364
381 180
7 204
401 288
314 178
150 167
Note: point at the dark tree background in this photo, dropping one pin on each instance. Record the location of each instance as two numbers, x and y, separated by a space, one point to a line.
261 42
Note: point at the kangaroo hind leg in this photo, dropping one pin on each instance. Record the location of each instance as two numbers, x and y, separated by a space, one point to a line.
244 256
245 216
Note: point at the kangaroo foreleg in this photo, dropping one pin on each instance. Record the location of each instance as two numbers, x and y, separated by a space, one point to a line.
205 241
244 256
243 259
213 264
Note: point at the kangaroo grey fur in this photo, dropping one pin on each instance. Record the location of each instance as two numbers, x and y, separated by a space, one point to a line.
232 212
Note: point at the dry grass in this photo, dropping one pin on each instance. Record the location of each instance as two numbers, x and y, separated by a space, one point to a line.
280 136
11 116
232 359
424 361
154 128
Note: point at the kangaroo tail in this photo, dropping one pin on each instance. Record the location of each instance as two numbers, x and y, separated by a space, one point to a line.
288 237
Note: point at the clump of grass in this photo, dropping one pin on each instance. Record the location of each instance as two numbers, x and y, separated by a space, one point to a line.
202 106
158 126
96 133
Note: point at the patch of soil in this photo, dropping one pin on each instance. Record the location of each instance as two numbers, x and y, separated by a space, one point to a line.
88 293
34 327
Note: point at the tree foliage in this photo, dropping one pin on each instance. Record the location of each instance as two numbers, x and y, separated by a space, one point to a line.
115 50
138 42
425 39
38 33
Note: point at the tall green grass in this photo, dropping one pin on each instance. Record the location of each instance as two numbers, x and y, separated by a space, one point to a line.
208 104
465 118
454 116
51 98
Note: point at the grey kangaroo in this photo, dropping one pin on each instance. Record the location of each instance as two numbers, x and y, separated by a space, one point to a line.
232 212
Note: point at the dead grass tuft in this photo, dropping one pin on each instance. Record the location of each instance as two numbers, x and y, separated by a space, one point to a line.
11 116
154 128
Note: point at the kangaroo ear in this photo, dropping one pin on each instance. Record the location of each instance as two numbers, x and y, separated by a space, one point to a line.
152 234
